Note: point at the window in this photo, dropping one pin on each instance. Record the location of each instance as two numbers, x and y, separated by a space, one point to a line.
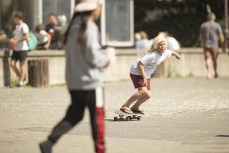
59 7
117 23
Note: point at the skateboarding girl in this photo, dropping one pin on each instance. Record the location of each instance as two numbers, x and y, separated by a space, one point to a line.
141 71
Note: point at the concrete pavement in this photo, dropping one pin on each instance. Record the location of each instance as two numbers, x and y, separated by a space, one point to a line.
184 115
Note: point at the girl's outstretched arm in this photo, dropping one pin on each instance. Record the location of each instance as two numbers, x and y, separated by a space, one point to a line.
175 54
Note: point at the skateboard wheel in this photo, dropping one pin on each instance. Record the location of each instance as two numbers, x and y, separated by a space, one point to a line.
121 116
115 118
139 118
128 118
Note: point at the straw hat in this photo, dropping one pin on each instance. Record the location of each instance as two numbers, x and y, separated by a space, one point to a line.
156 41
87 5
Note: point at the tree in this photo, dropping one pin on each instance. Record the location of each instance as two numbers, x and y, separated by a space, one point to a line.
181 18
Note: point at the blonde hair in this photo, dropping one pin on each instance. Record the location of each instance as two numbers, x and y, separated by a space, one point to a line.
155 43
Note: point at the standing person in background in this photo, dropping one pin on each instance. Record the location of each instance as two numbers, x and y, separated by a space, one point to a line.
61 28
51 29
4 42
84 62
44 39
210 34
172 43
19 45
3 35
145 40
141 40
138 41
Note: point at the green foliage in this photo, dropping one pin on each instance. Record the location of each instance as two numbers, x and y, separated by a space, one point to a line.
13 83
181 18
178 75
190 74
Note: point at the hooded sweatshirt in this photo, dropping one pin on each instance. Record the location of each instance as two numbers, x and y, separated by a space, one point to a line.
83 66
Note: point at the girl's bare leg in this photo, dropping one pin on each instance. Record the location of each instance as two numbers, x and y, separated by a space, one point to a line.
141 100
141 94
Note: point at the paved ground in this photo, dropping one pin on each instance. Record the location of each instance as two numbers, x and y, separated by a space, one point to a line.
185 115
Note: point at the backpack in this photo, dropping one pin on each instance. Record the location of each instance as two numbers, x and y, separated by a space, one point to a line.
32 41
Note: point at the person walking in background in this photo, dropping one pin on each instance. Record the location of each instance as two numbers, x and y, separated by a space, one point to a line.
141 71
44 39
19 45
51 29
210 34
84 62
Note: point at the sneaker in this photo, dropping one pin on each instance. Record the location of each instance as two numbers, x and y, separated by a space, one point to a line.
19 85
216 75
46 147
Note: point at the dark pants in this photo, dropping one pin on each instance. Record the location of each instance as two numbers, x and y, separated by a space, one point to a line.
80 99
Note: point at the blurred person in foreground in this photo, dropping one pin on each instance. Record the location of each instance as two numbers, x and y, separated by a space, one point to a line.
140 74
210 34
84 62
20 47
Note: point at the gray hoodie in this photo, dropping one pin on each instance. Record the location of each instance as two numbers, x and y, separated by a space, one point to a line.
83 67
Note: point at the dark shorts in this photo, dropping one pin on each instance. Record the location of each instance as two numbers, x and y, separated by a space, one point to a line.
138 81
41 46
19 56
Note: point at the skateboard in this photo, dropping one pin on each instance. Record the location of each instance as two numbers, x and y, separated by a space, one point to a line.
126 117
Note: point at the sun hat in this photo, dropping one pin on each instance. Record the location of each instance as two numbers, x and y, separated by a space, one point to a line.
87 5
156 41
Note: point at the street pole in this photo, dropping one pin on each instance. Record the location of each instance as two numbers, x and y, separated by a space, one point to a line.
226 25
1 7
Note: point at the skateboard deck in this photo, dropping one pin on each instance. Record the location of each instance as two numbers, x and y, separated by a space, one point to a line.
126 117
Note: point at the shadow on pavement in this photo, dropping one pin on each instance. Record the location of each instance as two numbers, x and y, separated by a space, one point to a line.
223 136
